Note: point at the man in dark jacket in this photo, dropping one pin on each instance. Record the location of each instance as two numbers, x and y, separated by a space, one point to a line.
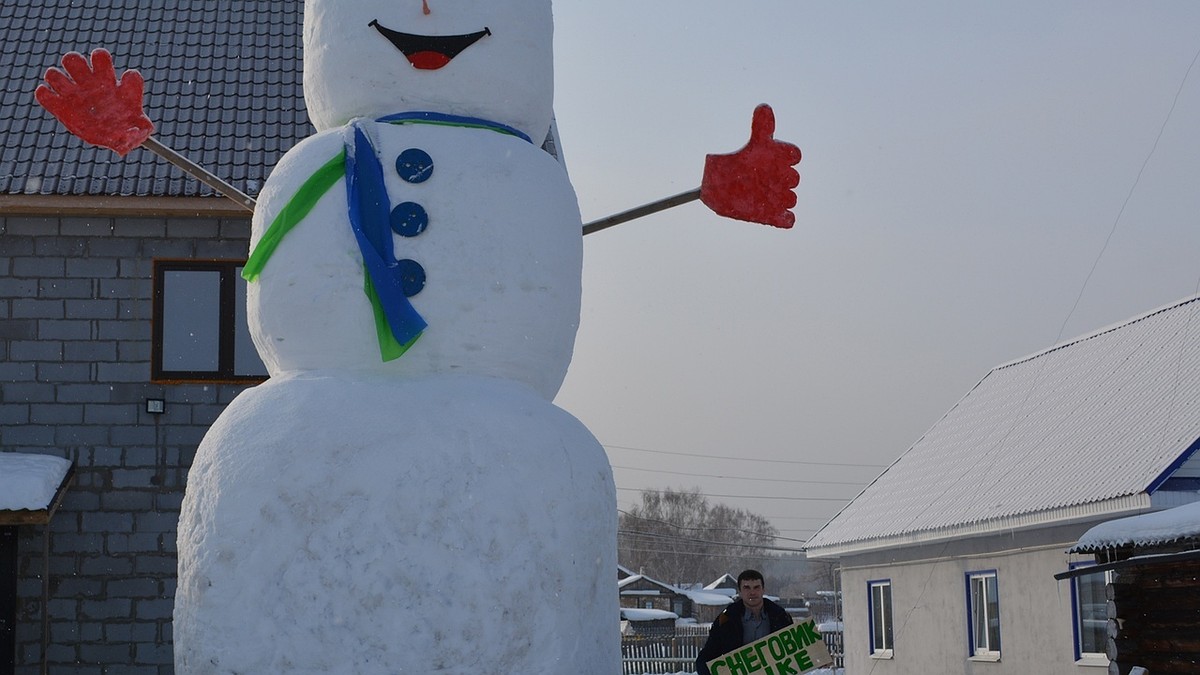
749 618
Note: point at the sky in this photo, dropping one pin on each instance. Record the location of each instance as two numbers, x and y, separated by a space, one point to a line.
979 182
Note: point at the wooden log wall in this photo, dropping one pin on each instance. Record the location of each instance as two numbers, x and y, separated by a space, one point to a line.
1154 618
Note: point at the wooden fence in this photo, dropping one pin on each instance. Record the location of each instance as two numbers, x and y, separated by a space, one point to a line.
835 645
676 652
664 653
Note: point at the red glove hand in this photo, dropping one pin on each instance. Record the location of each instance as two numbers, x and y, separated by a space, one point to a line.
94 105
756 182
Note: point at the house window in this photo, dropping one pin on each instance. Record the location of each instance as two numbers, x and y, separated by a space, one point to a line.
880 606
200 331
1090 614
983 614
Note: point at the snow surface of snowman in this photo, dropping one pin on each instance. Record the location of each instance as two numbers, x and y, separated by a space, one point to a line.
416 293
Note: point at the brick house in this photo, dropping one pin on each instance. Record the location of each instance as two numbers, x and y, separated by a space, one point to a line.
119 296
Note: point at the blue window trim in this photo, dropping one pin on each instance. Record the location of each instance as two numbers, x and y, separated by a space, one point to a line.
871 583
971 609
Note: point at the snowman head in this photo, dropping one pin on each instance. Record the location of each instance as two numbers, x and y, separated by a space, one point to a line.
490 59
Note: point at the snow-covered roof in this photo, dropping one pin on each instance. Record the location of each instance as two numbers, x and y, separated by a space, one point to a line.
707 598
223 86
710 598
1148 529
630 614
29 482
725 581
1088 428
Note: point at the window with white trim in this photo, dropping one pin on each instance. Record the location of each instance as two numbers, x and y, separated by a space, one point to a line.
1089 610
879 601
983 614
200 332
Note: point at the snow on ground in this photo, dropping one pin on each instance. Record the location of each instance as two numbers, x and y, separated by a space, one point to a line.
28 482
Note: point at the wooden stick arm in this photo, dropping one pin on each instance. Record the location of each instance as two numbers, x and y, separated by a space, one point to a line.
645 210
200 173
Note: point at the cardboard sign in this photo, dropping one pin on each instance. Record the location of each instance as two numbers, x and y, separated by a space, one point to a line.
789 651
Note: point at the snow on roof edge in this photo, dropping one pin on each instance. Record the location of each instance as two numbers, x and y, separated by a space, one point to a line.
1147 529
29 482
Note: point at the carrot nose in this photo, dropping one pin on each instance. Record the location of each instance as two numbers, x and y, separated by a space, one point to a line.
425 6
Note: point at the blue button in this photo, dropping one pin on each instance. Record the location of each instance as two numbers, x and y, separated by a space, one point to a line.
414 165
412 277
409 219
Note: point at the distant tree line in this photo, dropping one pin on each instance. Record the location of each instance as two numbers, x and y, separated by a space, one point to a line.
678 537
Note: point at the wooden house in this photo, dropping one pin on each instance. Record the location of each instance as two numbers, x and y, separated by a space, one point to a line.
1149 566
642 592
947 560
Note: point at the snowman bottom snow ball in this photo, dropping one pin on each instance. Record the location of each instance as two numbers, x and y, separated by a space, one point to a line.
417 545
415 283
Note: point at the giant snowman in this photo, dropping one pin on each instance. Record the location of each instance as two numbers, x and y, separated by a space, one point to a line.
415 288
401 496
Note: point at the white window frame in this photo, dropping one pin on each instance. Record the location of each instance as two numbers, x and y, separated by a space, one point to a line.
880 610
983 613
1101 579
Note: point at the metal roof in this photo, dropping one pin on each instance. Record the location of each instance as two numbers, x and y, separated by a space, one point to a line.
1090 427
223 87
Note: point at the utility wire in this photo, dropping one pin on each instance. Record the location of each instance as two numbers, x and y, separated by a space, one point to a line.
1133 188
763 480
789 499
708 555
744 459
707 542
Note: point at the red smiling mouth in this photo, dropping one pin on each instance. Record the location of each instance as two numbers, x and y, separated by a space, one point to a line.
428 52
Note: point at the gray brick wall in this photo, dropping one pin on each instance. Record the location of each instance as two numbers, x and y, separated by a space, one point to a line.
75 331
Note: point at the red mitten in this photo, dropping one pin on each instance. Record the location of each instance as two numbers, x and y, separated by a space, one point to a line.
94 105
755 183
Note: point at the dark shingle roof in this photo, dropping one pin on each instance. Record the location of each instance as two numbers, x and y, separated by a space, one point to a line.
223 87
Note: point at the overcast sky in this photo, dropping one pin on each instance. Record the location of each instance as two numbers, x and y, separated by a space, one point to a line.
979 181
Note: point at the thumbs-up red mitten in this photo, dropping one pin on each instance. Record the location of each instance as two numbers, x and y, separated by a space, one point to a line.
755 183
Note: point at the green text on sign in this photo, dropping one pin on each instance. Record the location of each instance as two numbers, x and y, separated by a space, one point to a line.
789 651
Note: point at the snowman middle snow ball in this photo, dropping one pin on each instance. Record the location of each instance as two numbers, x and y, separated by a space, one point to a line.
415 285
467 232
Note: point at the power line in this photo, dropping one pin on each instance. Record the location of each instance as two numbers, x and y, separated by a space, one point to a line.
790 499
763 480
745 459
819 519
690 540
710 556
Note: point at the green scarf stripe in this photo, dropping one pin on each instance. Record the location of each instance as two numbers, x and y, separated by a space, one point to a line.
293 212
390 348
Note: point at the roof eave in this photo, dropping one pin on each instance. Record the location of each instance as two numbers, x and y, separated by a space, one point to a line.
1119 506
106 205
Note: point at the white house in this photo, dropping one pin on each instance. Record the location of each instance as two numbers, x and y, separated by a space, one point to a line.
948 558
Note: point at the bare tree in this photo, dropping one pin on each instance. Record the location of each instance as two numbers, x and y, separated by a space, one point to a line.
676 536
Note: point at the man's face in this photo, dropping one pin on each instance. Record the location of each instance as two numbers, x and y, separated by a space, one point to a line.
751 593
